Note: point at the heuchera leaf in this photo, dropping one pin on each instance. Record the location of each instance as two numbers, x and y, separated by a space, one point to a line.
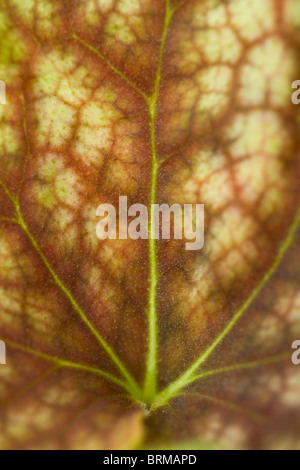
120 343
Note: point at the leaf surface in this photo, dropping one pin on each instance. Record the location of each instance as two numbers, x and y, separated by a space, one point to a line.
164 102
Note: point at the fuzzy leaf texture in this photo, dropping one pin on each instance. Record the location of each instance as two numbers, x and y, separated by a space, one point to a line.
120 344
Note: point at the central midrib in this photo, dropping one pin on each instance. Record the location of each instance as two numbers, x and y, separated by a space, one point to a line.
150 383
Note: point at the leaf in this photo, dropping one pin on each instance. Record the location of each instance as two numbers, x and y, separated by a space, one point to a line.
122 343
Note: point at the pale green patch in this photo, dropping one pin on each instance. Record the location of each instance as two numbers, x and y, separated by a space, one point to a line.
252 18
88 142
132 7
59 184
217 192
205 162
220 45
9 140
26 8
233 266
11 307
88 221
255 175
104 5
272 201
63 221
290 396
95 133
216 78
257 132
215 85
8 266
53 395
93 276
11 303
51 69
61 87
117 26
208 14
69 188
288 296
267 74
99 113
292 12
128 22
40 318
43 15
50 167
11 47
44 195
91 13
232 229
75 88
11 145
55 121
215 17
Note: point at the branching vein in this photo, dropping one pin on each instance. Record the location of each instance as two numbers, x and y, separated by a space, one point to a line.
115 70
190 375
131 383
245 365
65 363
